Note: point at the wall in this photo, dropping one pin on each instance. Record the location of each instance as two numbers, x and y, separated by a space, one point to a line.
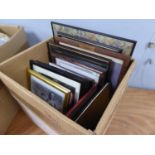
141 30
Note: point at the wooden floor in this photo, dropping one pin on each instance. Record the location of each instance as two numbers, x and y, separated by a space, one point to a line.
22 125
135 115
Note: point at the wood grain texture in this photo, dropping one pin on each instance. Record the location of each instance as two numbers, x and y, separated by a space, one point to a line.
135 113
22 125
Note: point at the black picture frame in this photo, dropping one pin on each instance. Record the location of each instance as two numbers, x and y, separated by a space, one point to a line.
133 42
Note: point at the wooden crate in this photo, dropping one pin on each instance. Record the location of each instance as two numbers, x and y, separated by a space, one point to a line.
14 76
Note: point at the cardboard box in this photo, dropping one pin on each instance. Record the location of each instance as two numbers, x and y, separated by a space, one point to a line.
14 76
17 43
8 108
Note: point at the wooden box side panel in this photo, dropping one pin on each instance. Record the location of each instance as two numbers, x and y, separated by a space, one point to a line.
16 67
107 116
55 120
8 108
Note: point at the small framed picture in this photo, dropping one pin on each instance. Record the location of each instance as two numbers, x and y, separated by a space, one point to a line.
46 91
